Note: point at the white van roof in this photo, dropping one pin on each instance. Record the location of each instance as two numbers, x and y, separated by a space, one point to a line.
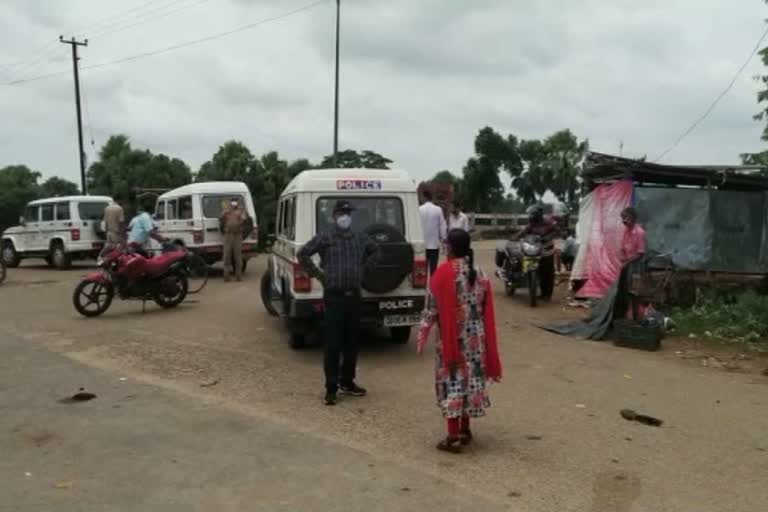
207 187
352 180
67 199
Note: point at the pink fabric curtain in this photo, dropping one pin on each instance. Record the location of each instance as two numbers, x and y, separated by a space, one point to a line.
602 263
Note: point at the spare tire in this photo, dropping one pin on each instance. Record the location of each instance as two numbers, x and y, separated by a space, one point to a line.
395 263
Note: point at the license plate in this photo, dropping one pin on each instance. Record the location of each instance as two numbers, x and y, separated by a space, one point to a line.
401 320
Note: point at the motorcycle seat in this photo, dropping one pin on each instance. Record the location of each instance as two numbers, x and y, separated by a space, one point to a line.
160 263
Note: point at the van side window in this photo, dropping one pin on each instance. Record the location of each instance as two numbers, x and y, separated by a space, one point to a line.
31 214
291 228
160 210
185 207
280 213
46 213
173 214
62 211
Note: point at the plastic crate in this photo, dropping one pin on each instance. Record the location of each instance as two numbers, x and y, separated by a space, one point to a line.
630 334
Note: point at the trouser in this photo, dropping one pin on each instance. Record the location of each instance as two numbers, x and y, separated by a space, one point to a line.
233 254
547 276
433 258
341 329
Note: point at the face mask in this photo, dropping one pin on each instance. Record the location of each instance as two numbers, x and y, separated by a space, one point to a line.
233 205
344 221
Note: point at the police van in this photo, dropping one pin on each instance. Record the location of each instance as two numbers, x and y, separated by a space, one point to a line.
57 229
387 209
189 216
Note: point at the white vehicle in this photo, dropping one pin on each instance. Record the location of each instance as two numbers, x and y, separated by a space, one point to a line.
58 229
387 208
189 216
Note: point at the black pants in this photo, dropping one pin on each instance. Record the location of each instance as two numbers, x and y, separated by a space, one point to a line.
547 276
342 329
433 258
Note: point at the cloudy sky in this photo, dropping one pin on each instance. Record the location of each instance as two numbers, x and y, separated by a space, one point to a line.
419 77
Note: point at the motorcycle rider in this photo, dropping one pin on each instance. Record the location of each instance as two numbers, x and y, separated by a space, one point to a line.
548 231
142 229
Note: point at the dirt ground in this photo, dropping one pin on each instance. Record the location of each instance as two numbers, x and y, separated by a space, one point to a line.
553 440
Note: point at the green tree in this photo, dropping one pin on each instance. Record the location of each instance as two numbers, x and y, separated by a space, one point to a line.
58 187
563 154
351 159
18 186
121 169
232 162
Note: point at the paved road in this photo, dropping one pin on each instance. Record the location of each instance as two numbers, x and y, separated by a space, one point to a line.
554 439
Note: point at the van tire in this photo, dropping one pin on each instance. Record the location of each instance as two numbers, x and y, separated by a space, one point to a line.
61 260
266 294
9 255
396 261
297 339
400 335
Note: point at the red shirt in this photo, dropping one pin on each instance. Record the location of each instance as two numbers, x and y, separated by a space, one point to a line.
633 243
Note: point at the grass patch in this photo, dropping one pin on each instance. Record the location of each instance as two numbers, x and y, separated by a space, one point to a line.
729 318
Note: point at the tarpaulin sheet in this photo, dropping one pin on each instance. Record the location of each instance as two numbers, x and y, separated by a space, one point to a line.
602 245
676 223
738 219
583 227
717 230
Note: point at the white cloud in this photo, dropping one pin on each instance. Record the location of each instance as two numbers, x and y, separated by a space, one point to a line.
418 78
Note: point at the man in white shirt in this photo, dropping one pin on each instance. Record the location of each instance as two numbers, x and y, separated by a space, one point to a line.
435 229
458 219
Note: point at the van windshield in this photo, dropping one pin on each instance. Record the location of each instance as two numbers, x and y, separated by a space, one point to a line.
368 211
91 211
214 205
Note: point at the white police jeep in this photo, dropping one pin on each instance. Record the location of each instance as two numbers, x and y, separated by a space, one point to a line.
57 229
387 208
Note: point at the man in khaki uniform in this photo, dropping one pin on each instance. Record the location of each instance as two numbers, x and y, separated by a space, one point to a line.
114 223
232 223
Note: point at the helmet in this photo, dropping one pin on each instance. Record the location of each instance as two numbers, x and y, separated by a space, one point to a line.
535 213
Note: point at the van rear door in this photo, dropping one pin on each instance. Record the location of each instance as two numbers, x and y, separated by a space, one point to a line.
213 205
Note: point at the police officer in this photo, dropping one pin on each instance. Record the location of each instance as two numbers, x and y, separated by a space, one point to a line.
344 256
232 223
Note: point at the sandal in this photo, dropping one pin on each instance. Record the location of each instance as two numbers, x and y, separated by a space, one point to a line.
465 437
450 445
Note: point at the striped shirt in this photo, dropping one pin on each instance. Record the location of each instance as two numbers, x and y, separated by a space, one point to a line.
344 256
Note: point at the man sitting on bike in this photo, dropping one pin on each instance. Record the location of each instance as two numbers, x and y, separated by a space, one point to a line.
548 231
142 230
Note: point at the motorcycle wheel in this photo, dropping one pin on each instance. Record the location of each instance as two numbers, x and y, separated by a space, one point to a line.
533 289
93 298
166 301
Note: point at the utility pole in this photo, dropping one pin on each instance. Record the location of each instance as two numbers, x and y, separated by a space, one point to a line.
75 43
336 103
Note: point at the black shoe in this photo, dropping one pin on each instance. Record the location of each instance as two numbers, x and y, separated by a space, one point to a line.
353 390
330 398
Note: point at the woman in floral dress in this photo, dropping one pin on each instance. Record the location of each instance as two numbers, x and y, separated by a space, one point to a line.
467 355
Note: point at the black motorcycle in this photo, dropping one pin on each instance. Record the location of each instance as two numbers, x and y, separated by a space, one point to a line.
518 266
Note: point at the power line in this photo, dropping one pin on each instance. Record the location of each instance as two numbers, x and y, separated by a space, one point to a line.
717 100
101 28
178 46
142 18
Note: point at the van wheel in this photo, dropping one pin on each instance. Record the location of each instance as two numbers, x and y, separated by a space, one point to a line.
266 294
400 335
10 257
61 260
297 340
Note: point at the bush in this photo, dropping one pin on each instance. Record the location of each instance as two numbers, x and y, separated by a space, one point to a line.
726 317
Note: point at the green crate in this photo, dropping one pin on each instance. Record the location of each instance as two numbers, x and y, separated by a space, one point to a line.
630 334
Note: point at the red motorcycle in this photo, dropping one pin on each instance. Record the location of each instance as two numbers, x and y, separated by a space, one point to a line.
134 276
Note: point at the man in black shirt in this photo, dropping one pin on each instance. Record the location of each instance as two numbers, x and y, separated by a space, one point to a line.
344 256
